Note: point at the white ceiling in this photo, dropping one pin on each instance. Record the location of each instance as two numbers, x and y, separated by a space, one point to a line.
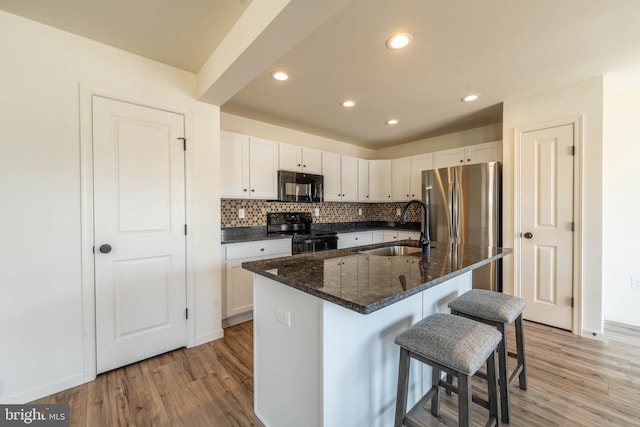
501 49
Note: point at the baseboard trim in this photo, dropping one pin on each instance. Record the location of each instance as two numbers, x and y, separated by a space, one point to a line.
622 320
237 319
43 390
209 336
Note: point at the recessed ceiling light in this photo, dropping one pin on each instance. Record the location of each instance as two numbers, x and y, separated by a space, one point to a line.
392 121
279 75
470 98
398 41
348 103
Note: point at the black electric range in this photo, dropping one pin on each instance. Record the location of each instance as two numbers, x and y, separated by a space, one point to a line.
298 226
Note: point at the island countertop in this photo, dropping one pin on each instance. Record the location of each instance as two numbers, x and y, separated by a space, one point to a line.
365 282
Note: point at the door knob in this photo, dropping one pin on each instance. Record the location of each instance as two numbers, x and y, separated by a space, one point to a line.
105 249
528 235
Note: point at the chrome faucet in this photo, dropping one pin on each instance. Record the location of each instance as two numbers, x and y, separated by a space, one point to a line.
425 240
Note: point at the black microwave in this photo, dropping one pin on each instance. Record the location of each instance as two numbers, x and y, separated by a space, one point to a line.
299 187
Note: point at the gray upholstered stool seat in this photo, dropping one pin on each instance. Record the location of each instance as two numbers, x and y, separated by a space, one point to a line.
457 346
499 310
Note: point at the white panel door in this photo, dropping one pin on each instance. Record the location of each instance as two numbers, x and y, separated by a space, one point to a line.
547 219
139 222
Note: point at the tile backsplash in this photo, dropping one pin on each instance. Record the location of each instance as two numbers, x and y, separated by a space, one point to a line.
255 211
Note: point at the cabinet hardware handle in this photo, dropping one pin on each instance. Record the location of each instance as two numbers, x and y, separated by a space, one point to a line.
461 161
298 164
253 189
244 189
261 249
304 166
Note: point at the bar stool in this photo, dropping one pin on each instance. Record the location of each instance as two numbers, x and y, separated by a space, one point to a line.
499 310
454 345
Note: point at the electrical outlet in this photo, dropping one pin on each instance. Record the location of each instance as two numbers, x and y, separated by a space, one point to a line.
283 317
240 213
317 211
635 281
398 212
360 211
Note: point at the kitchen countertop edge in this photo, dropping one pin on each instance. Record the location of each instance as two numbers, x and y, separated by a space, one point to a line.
370 308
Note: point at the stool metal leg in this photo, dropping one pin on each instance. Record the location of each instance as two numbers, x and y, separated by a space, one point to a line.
435 400
403 387
520 348
492 388
464 400
503 375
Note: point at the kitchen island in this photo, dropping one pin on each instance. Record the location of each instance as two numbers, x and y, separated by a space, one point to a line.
325 324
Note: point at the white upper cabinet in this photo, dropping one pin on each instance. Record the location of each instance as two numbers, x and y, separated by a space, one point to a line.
419 163
349 178
340 177
234 167
363 180
300 159
331 173
249 167
401 179
480 153
380 180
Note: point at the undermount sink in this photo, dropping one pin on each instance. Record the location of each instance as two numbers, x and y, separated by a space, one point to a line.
395 250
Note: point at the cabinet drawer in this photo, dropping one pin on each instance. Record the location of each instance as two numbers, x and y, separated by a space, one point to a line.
258 249
347 240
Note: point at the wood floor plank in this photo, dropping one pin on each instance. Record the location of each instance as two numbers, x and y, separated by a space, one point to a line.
573 381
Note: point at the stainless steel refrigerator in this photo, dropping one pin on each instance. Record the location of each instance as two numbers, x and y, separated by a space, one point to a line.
465 206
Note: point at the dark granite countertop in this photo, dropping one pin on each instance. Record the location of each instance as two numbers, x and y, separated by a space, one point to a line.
365 283
252 234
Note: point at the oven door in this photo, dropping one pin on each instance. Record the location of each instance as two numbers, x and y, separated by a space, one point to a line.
314 244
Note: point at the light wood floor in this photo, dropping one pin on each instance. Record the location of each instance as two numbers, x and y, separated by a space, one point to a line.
572 382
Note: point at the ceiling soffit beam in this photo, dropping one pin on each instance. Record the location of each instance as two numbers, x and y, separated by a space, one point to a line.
263 34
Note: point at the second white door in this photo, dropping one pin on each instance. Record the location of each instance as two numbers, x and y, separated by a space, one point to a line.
139 223
547 225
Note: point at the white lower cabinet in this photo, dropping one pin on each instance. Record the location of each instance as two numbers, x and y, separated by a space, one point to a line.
359 238
238 282
391 236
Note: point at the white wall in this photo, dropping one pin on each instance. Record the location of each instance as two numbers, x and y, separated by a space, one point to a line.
479 135
583 98
621 204
41 323
233 123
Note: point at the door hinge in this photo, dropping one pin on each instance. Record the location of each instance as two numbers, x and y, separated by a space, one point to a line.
185 229
572 302
184 143
573 226
186 313
573 150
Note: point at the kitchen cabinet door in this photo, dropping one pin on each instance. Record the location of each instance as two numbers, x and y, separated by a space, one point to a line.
479 153
422 162
380 180
312 161
349 179
331 172
401 179
263 168
483 153
290 157
234 167
363 180
447 158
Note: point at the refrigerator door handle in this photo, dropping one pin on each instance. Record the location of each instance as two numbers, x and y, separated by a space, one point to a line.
458 206
451 207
